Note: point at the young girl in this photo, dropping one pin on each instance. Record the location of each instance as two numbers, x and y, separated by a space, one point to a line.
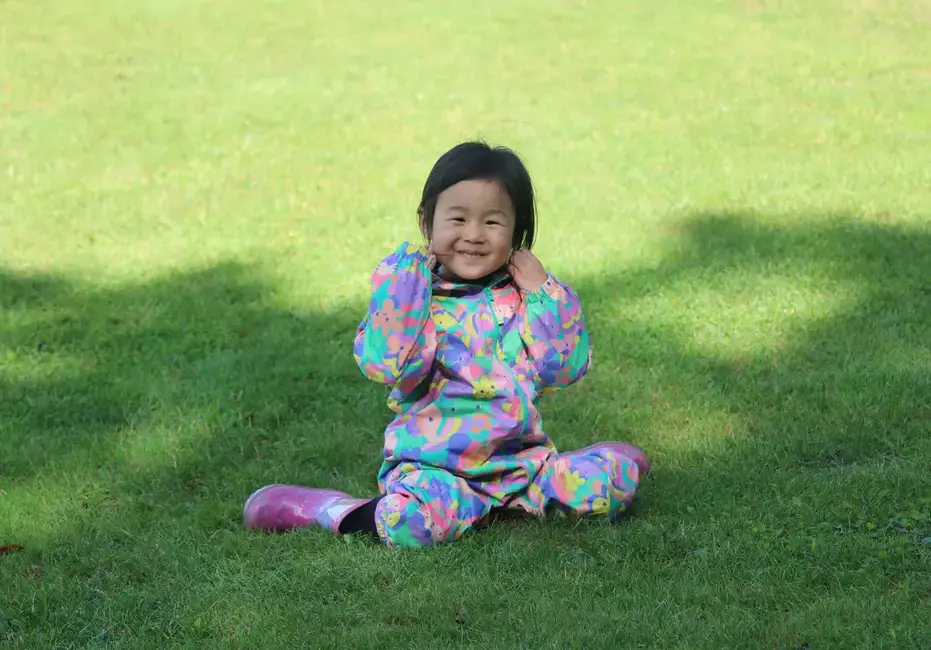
469 331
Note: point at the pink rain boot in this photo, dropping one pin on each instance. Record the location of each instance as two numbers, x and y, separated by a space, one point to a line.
279 508
633 452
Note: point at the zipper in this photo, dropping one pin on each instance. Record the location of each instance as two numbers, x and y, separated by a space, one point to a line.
521 393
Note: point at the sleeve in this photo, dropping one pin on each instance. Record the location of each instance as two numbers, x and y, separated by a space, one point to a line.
555 335
396 341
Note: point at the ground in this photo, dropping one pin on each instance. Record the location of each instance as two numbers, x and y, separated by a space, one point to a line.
193 195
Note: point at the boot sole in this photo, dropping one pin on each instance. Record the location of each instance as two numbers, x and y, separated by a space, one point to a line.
252 498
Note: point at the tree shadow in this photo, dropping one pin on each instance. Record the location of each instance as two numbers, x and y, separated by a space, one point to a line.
149 412
190 385
846 386
261 389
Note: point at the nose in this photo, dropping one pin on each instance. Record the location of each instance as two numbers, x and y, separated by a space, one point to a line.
475 233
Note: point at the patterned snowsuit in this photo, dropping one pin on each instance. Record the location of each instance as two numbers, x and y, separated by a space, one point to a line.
467 363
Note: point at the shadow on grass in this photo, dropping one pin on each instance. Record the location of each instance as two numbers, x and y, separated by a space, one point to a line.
198 372
847 390
135 420
198 387
874 346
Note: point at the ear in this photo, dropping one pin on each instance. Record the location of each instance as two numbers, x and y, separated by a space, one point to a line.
424 230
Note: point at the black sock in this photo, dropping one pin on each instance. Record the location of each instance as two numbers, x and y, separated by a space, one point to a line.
361 520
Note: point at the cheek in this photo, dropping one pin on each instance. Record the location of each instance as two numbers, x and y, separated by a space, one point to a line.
442 237
502 247
503 240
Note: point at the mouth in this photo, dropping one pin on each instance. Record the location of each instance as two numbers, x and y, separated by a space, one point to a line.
472 255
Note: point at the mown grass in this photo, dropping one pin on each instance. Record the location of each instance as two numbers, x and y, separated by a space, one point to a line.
193 197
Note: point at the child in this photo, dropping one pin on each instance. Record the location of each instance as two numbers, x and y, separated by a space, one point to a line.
468 331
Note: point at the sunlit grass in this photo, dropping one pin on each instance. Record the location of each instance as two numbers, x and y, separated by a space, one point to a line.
193 196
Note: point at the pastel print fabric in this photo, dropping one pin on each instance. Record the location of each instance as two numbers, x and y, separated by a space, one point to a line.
466 364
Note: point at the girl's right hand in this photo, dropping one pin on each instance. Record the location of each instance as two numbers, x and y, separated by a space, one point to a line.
527 270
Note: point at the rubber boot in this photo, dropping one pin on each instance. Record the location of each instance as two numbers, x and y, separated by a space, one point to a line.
280 508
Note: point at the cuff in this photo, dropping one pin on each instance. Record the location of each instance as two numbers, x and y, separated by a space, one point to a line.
547 291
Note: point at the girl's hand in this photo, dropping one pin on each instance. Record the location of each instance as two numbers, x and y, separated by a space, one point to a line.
527 271
434 258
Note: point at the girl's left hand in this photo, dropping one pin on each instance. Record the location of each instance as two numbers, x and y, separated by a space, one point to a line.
527 271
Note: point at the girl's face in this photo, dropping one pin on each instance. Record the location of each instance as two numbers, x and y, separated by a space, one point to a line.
473 227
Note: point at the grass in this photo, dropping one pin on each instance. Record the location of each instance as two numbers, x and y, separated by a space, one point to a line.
192 198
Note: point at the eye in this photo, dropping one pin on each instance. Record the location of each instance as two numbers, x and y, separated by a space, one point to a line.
494 223
458 219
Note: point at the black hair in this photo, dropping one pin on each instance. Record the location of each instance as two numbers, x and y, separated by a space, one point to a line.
479 161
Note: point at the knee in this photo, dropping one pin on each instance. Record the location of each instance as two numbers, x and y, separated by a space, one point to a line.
404 521
622 477
618 471
610 484
615 452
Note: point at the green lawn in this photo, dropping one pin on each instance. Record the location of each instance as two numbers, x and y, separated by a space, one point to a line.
193 195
